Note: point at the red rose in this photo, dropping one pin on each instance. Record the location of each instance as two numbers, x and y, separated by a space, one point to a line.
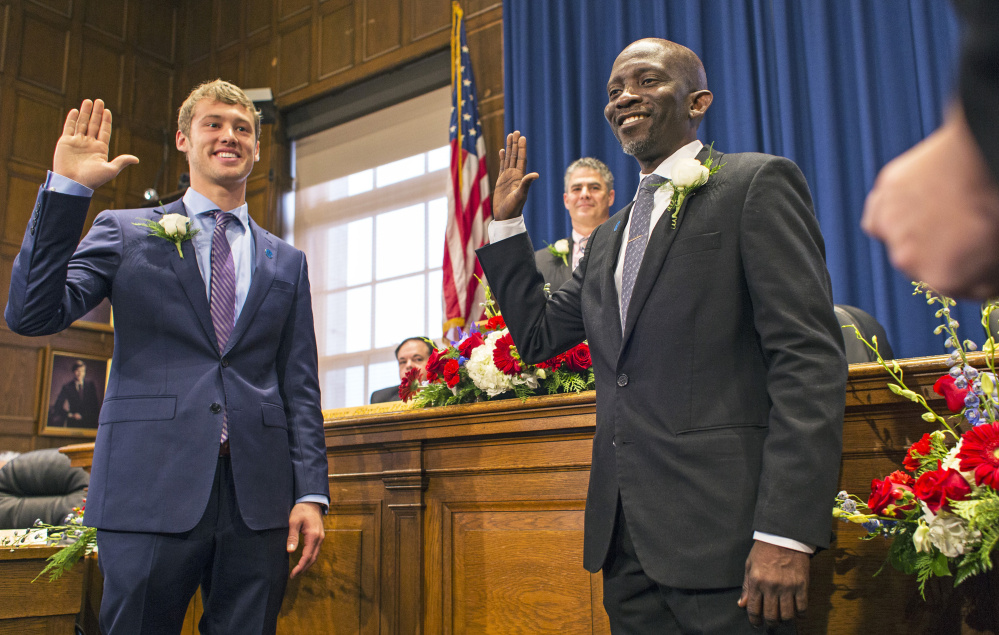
505 355
940 486
495 323
469 344
922 448
954 395
435 364
410 384
578 357
451 375
554 363
885 493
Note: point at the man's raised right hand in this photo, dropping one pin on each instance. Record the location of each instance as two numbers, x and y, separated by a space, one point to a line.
82 151
512 184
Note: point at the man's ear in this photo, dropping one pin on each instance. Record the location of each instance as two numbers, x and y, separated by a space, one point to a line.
700 100
181 141
565 200
610 198
256 152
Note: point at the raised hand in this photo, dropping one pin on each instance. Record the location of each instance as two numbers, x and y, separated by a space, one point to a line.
81 153
512 184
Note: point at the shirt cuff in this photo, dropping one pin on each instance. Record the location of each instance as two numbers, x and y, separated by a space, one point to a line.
64 185
780 541
501 229
316 498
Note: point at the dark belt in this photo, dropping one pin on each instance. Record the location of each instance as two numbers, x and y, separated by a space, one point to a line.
224 448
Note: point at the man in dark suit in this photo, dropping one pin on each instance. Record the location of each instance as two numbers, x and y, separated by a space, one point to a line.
412 352
76 405
210 459
589 193
719 364
936 207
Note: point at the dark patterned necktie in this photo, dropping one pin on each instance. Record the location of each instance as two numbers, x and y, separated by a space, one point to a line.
580 252
223 291
638 238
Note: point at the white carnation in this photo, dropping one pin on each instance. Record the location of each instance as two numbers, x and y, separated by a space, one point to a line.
175 225
483 372
562 246
950 535
688 173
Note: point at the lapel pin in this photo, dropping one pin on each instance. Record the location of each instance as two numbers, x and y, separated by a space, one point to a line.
268 253
616 225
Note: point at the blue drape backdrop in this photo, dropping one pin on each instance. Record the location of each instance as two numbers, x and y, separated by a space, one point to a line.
838 86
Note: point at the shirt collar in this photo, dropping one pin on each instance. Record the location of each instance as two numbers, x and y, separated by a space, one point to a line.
688 151
198 204
576 237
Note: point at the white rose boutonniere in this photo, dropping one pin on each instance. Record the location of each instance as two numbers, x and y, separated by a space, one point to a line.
687 176
560 250
173 227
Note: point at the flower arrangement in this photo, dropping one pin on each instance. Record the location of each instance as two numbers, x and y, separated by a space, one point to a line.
941 511
483 364
77 540
560 250
687 176
173 227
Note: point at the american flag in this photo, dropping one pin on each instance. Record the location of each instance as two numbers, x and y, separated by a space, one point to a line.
469 209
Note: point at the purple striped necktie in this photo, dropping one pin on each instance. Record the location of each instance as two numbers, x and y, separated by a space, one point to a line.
223 291
638 238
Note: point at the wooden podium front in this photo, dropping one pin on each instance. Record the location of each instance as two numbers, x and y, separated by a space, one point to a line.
469 519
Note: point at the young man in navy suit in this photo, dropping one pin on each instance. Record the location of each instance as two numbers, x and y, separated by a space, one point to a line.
210 458
719 364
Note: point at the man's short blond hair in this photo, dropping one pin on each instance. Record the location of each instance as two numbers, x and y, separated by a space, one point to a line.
223 92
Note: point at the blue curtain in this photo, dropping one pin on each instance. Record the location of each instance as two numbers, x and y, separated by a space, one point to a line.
839 86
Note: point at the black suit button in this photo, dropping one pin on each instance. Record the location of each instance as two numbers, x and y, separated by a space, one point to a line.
622 380
215 408
225 362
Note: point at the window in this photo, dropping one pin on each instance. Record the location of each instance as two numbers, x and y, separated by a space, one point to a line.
369 211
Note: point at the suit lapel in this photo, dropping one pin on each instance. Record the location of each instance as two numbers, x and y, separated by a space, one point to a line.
617 225
265 267
189 274
655 255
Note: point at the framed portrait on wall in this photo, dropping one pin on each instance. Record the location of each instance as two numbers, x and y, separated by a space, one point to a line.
73 391
100 318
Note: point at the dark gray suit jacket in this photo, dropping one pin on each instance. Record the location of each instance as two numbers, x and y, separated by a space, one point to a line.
719 409
555 272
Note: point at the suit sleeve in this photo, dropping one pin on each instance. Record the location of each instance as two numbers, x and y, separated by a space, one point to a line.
783 257
298 378
54 282
541 327
979 76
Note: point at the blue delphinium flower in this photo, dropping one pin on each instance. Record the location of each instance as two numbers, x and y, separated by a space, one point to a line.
850 506
970 372
461 360
971 400
972 415
956 372
872 525
960 382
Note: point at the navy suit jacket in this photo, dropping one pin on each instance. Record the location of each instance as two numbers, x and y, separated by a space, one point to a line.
720 401
158 436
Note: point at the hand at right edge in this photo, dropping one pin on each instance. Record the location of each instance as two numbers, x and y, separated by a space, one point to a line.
512 183
81 153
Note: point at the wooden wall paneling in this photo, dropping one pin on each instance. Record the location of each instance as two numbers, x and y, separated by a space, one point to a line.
37 126
338 46
102 74
294 69
259 15
152 94
228 65
474 8
259 70
4 30
156 29
291 8
63 8
501 551
20 378
109 17
401 606
137 178
229 18
426 18
382 28
44 51
195 32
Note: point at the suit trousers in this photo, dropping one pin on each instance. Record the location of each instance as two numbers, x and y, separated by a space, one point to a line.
638 605
150 578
